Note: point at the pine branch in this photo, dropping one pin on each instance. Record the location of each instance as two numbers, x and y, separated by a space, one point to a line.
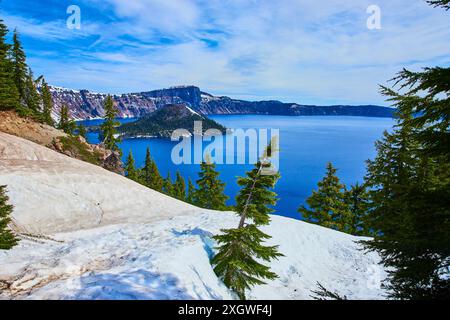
322 294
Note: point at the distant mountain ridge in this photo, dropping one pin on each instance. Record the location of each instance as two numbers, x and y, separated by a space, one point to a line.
85 104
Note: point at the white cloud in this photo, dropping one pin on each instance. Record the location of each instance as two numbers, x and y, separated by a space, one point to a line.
293 50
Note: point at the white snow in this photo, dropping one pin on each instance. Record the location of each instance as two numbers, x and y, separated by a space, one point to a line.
107 237
192 111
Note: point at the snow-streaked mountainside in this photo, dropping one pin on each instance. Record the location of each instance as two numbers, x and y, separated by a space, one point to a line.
85 104
91 234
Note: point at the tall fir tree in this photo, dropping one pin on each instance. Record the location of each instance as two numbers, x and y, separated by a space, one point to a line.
327 205
130 168
65 123
20 67
9 96
32 98
150 173
81 131
110 124
47 103
168 186
235 263
7 238
179 187
210 191
357 200
409 186
190 192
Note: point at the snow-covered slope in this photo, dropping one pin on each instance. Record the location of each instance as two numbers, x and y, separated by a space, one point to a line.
89 234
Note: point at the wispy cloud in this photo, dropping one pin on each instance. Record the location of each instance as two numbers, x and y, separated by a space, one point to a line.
302 51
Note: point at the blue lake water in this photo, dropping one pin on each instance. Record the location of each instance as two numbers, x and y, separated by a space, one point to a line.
306 145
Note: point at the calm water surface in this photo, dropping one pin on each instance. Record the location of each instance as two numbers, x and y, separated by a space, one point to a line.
306 145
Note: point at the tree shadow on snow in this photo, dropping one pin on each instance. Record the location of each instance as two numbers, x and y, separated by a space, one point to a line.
136 285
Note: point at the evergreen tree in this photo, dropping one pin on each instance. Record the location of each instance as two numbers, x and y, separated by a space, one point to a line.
20 67
168 187
31 98
9 96
150 173
130 169
109 125
47 102
191 192
327 205
210 191
235 263
65 123
409 191
7 238
440 3
357 200
179 187
81 131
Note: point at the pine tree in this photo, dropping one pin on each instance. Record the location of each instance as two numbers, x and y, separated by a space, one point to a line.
31 98
108 127
65 123
327 206
235 263
9 96
7 238
130 169
19 66
168 186
150 173
81 131
179 187
357 200
409 187
210 191
440 3
191 192
47 102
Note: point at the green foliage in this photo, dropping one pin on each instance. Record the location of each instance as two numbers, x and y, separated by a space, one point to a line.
324 294
191 191
20 67
357 200
409 185
179 187
327 204
150 174
9 96
130 168
47 102
210 191
7 238
109 126
236 264
66 124
80 150
165 120
81 130
440 3
32 98
168 186
236 261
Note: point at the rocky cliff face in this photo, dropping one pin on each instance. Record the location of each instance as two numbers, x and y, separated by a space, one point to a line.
85 104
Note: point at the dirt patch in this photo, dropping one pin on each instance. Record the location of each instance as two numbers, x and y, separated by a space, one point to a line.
12 123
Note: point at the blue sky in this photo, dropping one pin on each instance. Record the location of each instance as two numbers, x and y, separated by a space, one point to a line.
305 51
